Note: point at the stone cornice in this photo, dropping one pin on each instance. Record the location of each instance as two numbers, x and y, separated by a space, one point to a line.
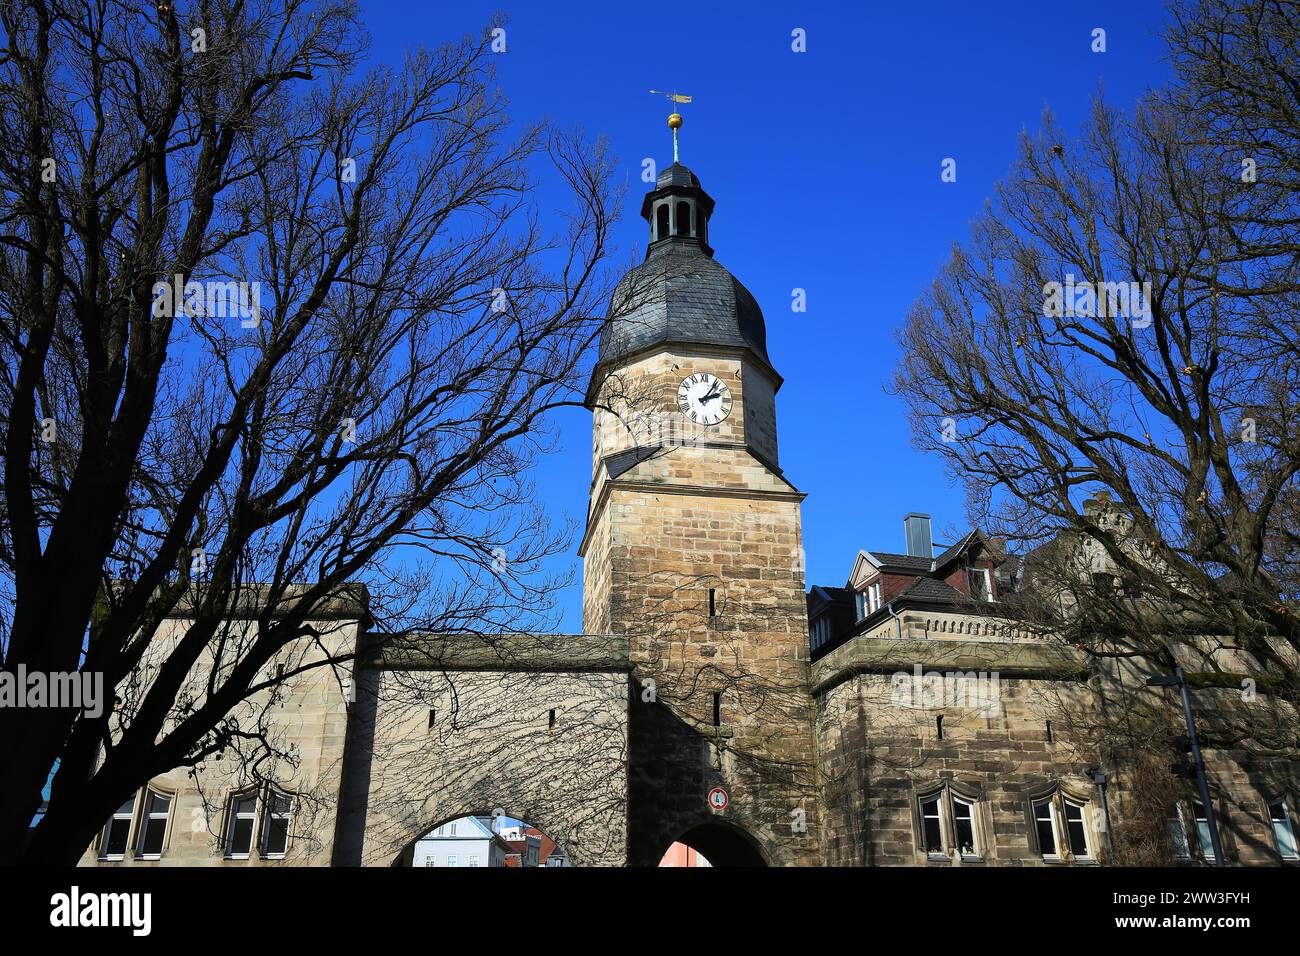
666 488
888 655
547 653
603 370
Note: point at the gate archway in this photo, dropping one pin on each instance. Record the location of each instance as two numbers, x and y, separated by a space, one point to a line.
723 845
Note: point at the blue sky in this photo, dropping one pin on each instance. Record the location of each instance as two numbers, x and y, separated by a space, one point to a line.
825 166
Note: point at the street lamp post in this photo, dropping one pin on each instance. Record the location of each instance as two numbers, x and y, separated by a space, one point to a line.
1179 680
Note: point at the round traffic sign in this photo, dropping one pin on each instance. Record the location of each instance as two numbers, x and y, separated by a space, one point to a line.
718 798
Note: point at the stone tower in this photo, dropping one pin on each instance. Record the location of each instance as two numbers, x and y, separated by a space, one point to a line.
693 550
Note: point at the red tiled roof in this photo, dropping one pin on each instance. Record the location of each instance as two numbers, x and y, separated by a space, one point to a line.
547 845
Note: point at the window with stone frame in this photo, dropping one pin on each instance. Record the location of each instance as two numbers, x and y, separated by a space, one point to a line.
1282 824
949 824
277 815
241 824
257 815
152 836
1203 830
117 832
1189 831
1062 827
1178 841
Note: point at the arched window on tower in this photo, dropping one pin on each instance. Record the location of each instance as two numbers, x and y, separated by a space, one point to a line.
683 218
661 221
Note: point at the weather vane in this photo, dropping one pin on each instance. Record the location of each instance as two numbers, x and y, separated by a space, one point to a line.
675 118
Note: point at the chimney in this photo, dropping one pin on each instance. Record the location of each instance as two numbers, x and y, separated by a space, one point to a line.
916 527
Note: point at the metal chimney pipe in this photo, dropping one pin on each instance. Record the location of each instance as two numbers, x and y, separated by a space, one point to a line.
916 527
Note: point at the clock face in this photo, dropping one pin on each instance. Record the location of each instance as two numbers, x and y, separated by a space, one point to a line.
704 398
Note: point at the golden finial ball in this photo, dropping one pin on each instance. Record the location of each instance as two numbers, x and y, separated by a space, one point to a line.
675 121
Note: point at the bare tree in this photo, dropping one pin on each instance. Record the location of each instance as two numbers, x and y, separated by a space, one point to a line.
266 319
1123 320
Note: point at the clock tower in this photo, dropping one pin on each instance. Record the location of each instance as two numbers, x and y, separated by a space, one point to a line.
693 550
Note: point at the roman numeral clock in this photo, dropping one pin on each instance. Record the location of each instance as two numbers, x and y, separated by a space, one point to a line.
704 398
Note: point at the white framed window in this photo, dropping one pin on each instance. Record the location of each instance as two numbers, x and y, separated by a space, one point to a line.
821 630
451 859
430 860
153 825
1178 834
473 860
1045 828
241 820
451 829
117 834
932 826
948 825
1061 828
1076 830
1203 830
276 818
1279 815
873 598
981 588
860 603
963 827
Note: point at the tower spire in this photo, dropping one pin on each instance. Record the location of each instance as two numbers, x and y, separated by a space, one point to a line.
674 118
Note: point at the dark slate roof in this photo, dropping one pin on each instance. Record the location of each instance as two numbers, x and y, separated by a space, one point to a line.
620 462
932 589
681 294
956 549
907 562
822 595
676 175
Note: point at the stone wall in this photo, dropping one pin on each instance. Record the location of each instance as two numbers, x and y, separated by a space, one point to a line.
880 745
308 716
530 726
709 587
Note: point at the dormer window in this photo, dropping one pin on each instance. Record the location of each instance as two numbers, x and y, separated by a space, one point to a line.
868 601
981 589
821 631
